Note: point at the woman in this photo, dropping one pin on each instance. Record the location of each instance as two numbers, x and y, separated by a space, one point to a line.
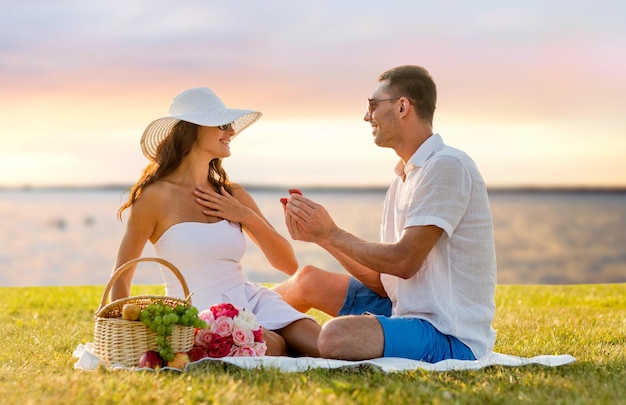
206 242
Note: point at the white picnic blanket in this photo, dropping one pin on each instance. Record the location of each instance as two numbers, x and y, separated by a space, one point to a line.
87 360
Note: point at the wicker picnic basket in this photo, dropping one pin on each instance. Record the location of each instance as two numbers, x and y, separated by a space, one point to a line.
119 341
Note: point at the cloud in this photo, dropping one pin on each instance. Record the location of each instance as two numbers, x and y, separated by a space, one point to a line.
70 68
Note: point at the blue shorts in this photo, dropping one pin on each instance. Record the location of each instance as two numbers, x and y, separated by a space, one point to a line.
409 338
360 300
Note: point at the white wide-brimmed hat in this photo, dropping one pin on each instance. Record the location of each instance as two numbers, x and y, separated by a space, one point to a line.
199 106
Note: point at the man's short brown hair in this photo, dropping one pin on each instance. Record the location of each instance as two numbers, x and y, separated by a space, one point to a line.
415 83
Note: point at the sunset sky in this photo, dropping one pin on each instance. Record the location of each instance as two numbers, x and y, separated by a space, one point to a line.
535 92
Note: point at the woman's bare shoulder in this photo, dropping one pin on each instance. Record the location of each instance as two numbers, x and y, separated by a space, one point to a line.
244 197
237 190
153 194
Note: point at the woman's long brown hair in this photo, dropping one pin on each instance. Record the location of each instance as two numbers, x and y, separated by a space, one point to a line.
169 154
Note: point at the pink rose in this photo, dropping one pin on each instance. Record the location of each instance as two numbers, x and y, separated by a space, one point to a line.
207 316
220 346
242 337
203 337
223 326
260 348
224 309
243 351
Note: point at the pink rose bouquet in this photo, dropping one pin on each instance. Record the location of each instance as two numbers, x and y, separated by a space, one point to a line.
230 331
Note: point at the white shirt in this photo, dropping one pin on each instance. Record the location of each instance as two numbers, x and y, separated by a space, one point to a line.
454 289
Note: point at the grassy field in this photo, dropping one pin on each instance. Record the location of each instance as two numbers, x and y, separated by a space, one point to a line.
41 326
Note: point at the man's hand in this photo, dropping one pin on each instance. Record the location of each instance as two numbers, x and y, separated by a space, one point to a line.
308 221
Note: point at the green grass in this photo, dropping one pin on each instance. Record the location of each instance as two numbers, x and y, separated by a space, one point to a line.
41 326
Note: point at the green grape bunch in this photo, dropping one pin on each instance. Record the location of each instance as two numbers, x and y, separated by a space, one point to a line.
161 319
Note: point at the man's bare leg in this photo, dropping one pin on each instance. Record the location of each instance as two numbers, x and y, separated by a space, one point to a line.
352 337
312 287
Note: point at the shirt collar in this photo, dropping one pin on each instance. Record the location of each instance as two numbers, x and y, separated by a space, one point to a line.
421 155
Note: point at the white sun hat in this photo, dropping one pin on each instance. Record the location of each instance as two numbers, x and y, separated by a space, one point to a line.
199 106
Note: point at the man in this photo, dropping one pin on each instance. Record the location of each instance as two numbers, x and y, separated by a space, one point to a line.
431 278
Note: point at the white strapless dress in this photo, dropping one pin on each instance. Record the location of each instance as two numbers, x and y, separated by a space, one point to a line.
208 255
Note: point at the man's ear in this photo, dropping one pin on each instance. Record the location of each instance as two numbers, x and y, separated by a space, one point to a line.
402 105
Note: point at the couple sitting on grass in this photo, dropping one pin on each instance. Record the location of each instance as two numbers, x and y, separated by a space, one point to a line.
424 292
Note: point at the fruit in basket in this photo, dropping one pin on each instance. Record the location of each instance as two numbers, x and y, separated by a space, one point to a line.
130 312
179 361
161 319
151 359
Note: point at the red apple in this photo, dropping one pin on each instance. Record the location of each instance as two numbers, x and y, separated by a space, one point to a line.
295 191
179 361
151 359
196 353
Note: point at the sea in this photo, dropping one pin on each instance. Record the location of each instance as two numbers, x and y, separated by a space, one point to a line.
70 236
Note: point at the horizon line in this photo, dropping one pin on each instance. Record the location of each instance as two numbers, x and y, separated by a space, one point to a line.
361 188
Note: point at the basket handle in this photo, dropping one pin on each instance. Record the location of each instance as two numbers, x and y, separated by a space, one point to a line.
124 267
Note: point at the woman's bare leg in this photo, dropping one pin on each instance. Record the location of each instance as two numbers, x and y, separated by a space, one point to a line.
276 345
301 337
